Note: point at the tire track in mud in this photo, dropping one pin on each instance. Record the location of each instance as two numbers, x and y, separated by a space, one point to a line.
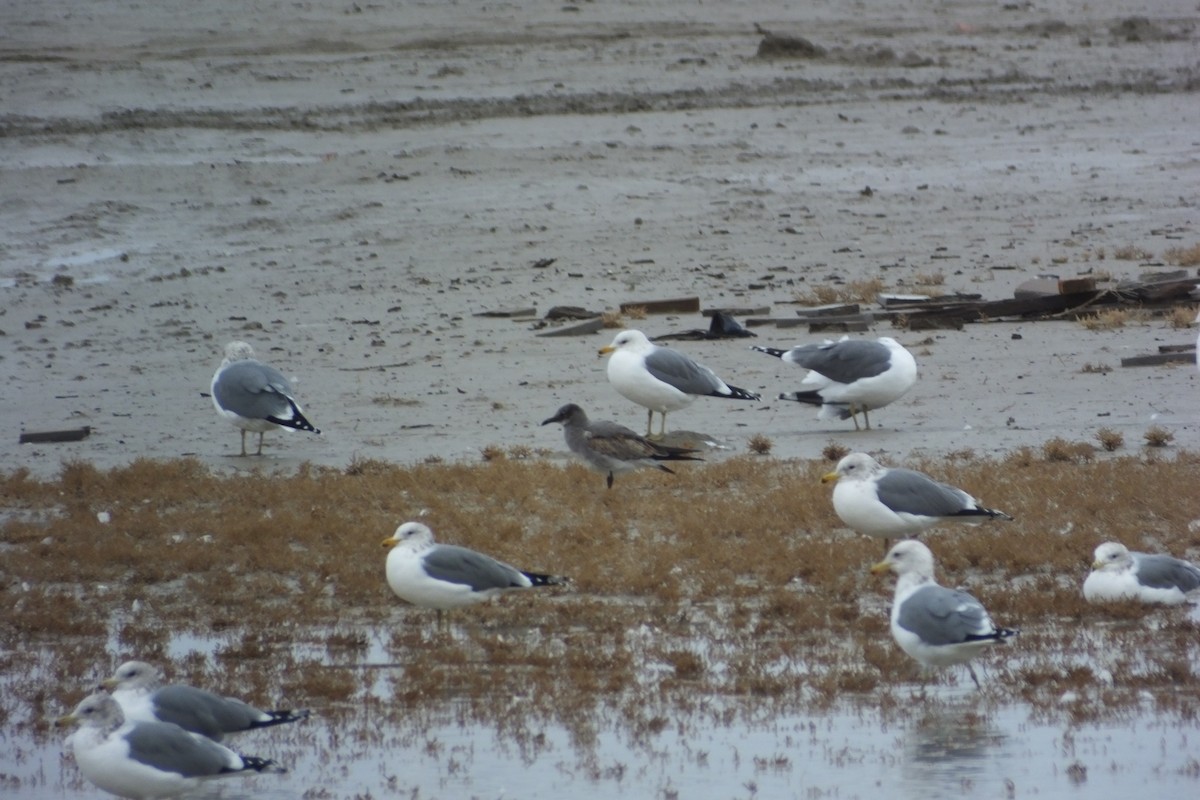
780 92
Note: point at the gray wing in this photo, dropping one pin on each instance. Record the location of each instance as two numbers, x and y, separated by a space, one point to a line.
681 372
617 441
253 390
910 492
844 362
204 712
447 562
172 749
944 616
1165 572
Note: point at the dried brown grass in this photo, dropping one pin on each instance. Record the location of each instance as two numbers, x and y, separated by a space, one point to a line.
1183 256
729 578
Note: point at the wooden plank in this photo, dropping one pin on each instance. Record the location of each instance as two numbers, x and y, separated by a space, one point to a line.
829 310
525 311
737 312
68 435
826 326
675 305
1157 358
584 328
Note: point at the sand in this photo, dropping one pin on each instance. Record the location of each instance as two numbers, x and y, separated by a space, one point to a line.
347 186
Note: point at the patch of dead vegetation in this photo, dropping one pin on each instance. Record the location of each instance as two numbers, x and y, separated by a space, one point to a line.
730 578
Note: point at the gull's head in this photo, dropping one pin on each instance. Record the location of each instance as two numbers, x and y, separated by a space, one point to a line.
570 414
133 675
634 341
1112 557
410 534
908 557
854 467
238 351
97 710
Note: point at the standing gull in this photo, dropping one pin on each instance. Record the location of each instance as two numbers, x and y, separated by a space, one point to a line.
938 627
146 760
255 396
137 688
661 379
443 576
611 448
1120 574
849 376
893 503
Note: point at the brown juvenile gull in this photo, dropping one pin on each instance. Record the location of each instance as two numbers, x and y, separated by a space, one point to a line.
255 396
938 627
137 688
850 375
661 379
611 448
146 759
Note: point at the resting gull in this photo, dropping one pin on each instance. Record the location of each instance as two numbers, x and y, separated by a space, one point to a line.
894 503
146 760
1121 574
137 688
661 379
442 576
611 448
850 375
255 396
938 627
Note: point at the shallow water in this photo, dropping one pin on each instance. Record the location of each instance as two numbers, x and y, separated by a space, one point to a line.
945 742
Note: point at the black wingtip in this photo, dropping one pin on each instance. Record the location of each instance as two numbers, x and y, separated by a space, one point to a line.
808 398
771 351
257 764
540 579
737 393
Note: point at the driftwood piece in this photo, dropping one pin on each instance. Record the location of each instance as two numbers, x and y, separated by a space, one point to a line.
588 326
68 435
1157 358
524 311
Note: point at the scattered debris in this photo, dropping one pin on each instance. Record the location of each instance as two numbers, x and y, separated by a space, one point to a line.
678 305
68 435
723 326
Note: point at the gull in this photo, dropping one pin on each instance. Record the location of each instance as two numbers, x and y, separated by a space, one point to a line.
137 688
611 448
1121 574
145 760
894 503
938 627
850 375
255 396
661 379
443 576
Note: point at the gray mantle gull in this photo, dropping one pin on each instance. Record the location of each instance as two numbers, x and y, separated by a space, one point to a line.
938 627
850 376
661 379
895 503
255 396
137 688
146 759
1122 574
611 448
442 576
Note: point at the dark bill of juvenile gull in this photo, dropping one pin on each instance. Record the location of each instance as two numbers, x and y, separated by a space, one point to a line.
938 627
896 503
147 759
611 448
443 576
850 376
255 396
1122 574
661 379
137 688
